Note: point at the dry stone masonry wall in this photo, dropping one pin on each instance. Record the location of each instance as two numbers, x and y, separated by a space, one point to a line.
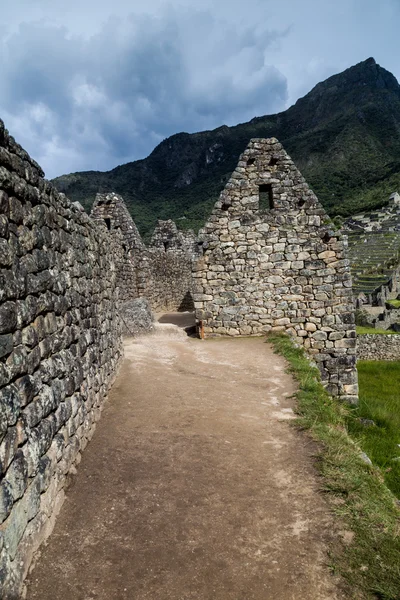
60 346
171 257
272 261
161 272
110 211
378 347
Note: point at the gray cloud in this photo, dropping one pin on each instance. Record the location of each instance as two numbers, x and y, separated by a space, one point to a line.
91 84
78 103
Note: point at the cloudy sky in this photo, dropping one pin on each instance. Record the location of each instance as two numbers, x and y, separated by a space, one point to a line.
90 84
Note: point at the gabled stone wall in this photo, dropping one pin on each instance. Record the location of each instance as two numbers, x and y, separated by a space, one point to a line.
60 347
110 211
273 262
161 272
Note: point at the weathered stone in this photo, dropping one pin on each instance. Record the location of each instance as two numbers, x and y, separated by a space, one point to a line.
378 347
4 204
6 500
17 475
292 276
59 332
8 317
6 344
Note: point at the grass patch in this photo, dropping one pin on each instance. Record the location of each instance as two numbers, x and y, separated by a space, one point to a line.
358 494
361 330
393 303
380 403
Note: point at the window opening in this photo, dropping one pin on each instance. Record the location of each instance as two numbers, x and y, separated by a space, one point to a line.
273 161
266 198
326 237
108 223
251 161
166 246
301 203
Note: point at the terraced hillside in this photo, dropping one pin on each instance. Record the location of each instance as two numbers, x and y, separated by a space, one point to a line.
373 256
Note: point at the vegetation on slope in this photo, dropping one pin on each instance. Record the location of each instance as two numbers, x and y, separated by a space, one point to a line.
356 491
344 136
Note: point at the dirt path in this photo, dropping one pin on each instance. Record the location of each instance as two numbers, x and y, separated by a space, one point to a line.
194 485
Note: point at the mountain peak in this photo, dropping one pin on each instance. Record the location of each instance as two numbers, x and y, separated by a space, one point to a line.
348 88
365 73
344 136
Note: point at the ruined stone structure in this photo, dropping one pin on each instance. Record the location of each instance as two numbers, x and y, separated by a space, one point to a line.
269 262
171 256
161 272
272 261
60 347
377 308
110 210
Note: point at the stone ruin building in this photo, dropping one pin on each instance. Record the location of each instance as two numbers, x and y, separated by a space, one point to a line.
269 262
374 253
376 309
273 262
161 271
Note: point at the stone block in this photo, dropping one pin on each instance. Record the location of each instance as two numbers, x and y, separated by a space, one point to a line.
320 336
8 317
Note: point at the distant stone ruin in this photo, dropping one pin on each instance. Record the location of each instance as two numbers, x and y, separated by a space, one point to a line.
110 211
377 309
161 272
374 253
394 199
273 262
171 256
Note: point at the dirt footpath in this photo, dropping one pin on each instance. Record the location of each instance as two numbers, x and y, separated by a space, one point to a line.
194 486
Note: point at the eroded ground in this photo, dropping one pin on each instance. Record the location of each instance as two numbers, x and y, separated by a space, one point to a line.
194 486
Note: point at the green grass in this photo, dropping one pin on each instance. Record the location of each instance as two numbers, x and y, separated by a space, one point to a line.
356 491
361 330
394 303
379 402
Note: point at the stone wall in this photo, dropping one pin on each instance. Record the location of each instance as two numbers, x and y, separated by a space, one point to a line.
161 272
60 347
110 211
273 262
378 347
171 256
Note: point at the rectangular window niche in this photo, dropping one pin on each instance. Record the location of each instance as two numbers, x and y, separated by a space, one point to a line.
266 197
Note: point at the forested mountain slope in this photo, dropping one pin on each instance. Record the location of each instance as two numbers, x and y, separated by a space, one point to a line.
344 136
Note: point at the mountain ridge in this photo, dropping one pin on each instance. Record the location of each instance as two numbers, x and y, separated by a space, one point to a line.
344 135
